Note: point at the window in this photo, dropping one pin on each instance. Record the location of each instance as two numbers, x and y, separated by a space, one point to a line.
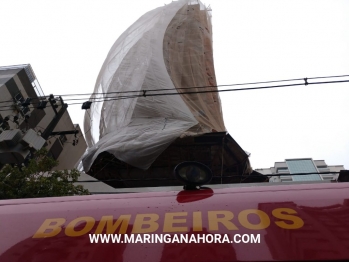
303 166
19 100
56 149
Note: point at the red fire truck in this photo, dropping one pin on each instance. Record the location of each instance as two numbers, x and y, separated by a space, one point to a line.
219 223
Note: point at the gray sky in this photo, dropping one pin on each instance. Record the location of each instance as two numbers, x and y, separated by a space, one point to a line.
66 43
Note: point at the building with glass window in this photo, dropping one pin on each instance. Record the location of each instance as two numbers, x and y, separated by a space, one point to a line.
301 165
20 95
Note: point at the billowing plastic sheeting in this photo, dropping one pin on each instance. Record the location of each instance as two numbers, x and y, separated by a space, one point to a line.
147 56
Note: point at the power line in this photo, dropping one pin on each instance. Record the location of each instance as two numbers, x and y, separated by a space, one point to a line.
106 99
181 88
146 94
320 77
225 85
185 88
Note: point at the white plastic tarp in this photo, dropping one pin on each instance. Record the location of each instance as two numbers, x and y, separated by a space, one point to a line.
137 130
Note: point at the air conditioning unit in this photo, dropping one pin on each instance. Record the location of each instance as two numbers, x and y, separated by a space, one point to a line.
11 151
10 138
33 140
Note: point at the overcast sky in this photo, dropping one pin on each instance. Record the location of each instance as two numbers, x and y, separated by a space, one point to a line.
66 43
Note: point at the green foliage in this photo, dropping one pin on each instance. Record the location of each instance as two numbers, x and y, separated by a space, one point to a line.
37 180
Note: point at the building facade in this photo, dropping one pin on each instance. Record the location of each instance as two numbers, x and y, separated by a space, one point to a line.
18 113
301 165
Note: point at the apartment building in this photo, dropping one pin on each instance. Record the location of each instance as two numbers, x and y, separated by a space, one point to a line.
25 110
288 167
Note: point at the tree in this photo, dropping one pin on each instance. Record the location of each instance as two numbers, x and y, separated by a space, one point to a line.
36 179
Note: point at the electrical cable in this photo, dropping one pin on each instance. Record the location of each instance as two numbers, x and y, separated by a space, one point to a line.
106 99
240 84
193 92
